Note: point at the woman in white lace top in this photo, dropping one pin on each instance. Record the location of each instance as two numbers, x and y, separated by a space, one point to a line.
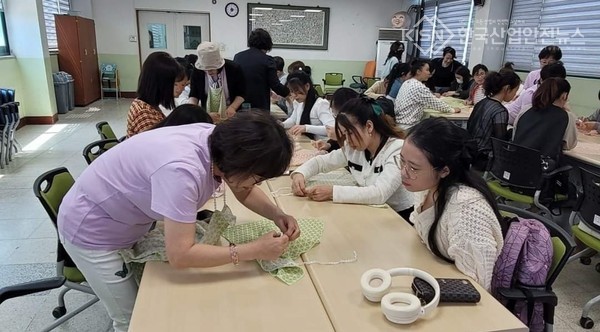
455 213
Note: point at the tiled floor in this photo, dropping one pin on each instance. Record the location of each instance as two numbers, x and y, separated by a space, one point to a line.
28 239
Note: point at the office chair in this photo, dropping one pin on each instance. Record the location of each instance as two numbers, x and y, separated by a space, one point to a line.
109 79
334 81
583 219
562 244
50 188
518 175
105 131
95 149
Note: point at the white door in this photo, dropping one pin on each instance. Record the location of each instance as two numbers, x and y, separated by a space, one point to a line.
175 33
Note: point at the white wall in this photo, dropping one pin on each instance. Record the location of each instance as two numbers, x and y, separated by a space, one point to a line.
82 8
489 50
352 26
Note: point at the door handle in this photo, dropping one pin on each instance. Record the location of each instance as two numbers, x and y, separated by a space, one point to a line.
85 51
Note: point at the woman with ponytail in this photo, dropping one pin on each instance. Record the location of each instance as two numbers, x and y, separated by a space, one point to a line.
369 144
455 212
548 126
311 114
490 117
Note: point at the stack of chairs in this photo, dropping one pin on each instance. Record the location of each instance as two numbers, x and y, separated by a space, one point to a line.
9 121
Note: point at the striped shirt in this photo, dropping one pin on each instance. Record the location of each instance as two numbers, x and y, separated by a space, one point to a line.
142 117
412 100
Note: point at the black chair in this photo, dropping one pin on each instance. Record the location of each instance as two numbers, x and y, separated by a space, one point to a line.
32 287
50 188
95 149
520 175
563 245
583 219
105 131
5 133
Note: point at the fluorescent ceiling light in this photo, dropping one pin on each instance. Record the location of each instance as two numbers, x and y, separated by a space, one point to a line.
256 14
298 16
262 8
285 20
276 24
252 19
313 10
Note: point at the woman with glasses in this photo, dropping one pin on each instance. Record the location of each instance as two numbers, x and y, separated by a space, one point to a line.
217 84
455 212
369 141
311 114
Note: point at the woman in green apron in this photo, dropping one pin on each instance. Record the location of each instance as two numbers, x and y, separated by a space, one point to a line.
217 84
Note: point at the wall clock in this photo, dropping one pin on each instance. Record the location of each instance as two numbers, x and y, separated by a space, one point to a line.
232 9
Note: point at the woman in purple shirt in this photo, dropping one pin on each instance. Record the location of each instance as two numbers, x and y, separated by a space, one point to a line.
168 174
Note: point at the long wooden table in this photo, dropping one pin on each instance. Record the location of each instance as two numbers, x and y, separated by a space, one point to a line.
225 298
587 150
381 239
458 118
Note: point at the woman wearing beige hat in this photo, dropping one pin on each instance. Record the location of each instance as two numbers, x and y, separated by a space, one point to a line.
217 84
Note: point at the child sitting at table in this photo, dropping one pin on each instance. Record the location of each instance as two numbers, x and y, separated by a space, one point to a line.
310 114
370 142
414 97
489 117
455 212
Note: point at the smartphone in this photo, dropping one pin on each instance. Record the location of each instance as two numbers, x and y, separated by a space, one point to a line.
452 290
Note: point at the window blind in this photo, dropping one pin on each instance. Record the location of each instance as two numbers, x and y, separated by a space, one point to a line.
447 23
574 26
454 27
52 7
520 42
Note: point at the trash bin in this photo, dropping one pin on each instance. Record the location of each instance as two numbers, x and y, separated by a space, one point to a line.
69 79
61 90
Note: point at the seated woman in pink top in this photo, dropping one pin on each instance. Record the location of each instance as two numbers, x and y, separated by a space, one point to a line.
168 174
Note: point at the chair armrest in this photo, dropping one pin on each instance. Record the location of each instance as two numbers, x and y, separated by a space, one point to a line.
324 82
343 82
10 292
540 295
357 79
557 171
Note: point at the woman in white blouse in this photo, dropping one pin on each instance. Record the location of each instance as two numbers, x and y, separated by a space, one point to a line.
455 213
414 97
311 114
369 141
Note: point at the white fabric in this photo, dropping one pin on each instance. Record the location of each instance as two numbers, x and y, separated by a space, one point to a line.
468 232
320 116
387 67
479 95
374 188
116 293
412 100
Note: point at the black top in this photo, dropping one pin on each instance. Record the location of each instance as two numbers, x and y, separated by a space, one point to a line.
462 90
542 130
443 76
261 77
235 83
488 119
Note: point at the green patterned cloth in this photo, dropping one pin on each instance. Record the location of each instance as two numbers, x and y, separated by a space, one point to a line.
285 268
339 177
152 246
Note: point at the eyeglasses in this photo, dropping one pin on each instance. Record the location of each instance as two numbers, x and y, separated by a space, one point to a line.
410 171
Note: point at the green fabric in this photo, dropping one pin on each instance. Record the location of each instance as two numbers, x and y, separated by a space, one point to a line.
59 185
73 274
586 238
505 192
152 246
214 100
339 177
559 250
285 268
108 132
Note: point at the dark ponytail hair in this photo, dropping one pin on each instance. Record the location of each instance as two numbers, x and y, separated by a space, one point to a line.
496 81
185 114
417 65
550 90
341 96
362 110
296 81
447 145
553 70
399 70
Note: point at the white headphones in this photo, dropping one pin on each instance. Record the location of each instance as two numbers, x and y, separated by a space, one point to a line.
398 314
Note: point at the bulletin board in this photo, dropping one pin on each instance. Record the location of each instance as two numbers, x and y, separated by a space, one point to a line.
294 27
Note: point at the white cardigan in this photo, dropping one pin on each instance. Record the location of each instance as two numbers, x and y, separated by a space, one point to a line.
379 181
468 232
320 116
